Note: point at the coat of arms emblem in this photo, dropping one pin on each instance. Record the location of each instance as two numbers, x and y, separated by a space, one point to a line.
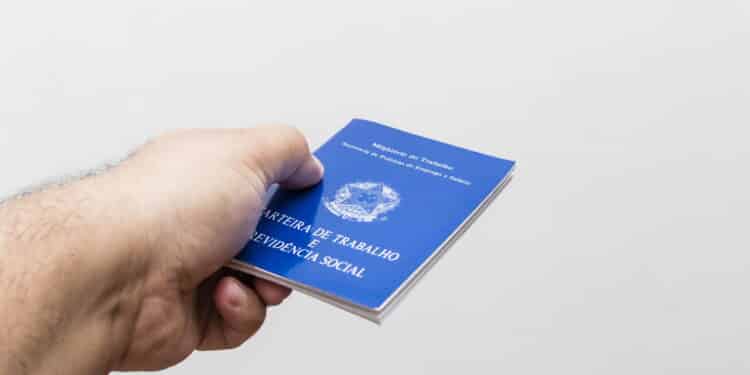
363 201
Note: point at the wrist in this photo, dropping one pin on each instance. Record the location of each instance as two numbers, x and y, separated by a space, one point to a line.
69 277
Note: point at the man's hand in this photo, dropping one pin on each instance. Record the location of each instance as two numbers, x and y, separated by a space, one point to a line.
123 271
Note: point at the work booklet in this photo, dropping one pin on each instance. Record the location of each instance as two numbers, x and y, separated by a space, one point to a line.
389 205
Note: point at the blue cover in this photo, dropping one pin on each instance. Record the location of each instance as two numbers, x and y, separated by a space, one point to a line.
388 201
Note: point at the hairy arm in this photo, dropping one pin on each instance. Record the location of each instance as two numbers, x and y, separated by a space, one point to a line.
123 270
63 293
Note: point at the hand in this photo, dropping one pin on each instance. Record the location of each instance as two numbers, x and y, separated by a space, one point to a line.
127 265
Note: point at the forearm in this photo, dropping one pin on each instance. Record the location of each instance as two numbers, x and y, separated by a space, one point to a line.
65 294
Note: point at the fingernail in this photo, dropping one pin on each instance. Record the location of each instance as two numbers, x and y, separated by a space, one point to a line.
321 167
236 295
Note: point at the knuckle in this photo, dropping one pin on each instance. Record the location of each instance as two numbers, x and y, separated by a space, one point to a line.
274 144
284 135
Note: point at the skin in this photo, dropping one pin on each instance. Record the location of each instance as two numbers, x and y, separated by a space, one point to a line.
124 270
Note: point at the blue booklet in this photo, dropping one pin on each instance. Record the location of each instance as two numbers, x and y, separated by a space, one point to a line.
389 205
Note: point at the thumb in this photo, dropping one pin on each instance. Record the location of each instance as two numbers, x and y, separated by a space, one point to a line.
280 154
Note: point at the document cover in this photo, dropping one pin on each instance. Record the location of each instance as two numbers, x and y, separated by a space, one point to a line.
388 206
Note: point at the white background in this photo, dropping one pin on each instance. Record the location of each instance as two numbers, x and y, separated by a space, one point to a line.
620 248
